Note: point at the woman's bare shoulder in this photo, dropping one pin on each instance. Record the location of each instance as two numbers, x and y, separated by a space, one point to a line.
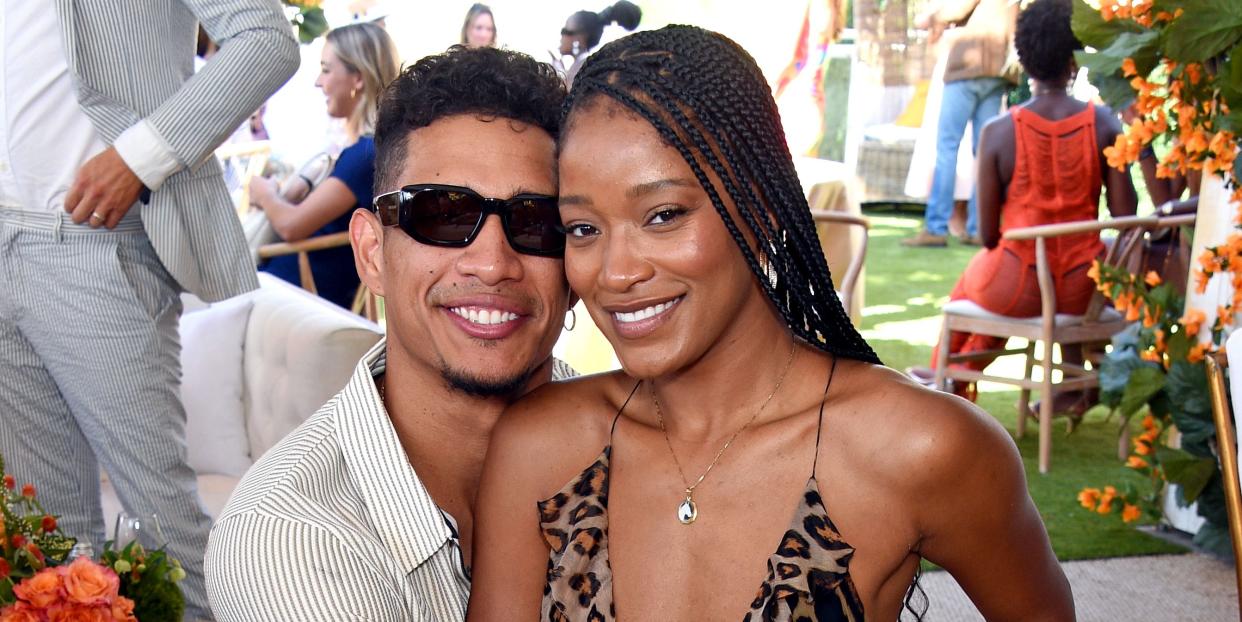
559 429
927 437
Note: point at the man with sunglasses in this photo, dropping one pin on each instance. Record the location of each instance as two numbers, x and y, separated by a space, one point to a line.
365 510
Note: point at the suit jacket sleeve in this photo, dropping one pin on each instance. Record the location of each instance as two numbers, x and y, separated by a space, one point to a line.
257 55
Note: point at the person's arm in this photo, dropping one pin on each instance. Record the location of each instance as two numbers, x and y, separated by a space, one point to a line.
267 569
510 554
979 523
298 221
257 55
1119 186
990 186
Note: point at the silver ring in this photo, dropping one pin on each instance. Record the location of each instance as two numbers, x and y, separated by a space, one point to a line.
96 216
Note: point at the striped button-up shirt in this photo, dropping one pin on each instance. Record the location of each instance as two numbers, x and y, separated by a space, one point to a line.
333 523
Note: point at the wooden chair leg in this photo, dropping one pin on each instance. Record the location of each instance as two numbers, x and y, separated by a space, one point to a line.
1123 440
1046 399
1024 396
304 271
942 357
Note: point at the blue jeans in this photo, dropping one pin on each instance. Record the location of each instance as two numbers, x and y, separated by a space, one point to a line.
976 100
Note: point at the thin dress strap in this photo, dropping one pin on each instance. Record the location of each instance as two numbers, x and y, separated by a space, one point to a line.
819 430
621 410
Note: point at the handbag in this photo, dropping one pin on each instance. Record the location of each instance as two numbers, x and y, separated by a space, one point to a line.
258 228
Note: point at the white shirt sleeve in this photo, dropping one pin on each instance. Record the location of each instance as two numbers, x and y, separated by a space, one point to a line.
147 154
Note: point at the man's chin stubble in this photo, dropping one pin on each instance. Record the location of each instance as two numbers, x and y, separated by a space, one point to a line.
508 388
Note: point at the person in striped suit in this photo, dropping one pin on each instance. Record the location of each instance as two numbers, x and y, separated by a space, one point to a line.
111 205
366 510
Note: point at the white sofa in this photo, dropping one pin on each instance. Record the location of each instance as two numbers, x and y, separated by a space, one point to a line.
253 368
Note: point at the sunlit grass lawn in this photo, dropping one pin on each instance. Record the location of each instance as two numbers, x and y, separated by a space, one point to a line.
905 288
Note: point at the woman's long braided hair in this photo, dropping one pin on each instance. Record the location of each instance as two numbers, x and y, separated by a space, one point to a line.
707 98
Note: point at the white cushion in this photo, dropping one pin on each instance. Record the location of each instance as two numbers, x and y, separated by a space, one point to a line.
211 387
969 309
300 350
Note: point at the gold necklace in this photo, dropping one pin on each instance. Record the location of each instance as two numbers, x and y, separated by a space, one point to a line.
688 510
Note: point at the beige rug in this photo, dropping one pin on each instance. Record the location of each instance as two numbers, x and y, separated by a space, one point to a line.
1171 588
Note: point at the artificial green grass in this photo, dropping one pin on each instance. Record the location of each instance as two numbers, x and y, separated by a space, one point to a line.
905 288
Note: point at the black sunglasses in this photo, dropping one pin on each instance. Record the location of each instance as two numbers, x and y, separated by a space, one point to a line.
565 32
453 216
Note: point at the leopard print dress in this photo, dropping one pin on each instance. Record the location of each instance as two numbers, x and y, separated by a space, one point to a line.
808 575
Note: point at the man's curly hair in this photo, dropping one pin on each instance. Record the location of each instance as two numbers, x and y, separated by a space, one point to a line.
484 81
1044 40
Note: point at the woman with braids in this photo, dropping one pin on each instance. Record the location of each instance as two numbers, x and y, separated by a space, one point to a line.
584 29
1042 163
752 460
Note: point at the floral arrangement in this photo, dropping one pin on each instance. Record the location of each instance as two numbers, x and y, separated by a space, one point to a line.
80 590
307 18
38 582
1178 63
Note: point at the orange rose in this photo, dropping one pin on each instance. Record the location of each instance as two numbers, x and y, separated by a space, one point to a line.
1130 513
1089 497
88 583
123 610
41 590
19 612
79 613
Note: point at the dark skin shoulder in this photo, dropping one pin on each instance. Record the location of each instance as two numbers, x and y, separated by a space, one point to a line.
998 155
908 472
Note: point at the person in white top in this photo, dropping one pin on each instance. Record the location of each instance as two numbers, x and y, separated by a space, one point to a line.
108 210
366 510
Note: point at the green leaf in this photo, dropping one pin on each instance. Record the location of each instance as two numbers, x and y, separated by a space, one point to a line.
1093 31
312 24
1206 29
1215 539
1186 384
1190 472
1144 382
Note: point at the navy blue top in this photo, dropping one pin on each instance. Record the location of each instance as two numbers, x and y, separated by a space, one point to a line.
335 276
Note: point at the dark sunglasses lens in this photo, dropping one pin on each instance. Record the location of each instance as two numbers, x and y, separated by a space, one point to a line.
565 32
445 216
535 226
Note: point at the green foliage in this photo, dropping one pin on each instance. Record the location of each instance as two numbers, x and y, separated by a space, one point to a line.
310 23
1093 30
1206 29
1189 472
149 578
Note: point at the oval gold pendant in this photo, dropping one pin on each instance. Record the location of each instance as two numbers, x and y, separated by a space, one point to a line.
687 512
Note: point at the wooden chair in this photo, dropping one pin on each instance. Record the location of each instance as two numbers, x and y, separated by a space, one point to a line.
365 303
1097 325
241 161
1227 443
847 284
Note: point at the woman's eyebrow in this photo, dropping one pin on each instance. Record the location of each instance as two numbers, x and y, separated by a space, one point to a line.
639 190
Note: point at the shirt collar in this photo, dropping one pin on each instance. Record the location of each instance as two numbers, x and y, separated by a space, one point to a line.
403 513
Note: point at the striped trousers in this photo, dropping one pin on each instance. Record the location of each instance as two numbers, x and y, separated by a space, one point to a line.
90 376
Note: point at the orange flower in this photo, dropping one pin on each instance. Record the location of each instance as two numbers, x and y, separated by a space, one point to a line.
10 482
1201 281
1196 353
48 523
1128 69
1130 513
88 583
1132 314
1192 320
1224 314
1089 497
123 610
68 612
1151 356
1152 279
1160 347
1194 73
41 590
28 491
1149 422
1142 447
1136 462
1106 506
20 612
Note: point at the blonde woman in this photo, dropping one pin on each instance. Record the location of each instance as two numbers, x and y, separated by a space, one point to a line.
479 29
358 61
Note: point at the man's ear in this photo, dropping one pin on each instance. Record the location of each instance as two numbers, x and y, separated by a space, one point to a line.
366 235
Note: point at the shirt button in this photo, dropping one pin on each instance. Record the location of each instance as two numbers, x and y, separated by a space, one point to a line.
4 166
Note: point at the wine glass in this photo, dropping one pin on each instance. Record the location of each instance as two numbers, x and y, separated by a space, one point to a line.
143 528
